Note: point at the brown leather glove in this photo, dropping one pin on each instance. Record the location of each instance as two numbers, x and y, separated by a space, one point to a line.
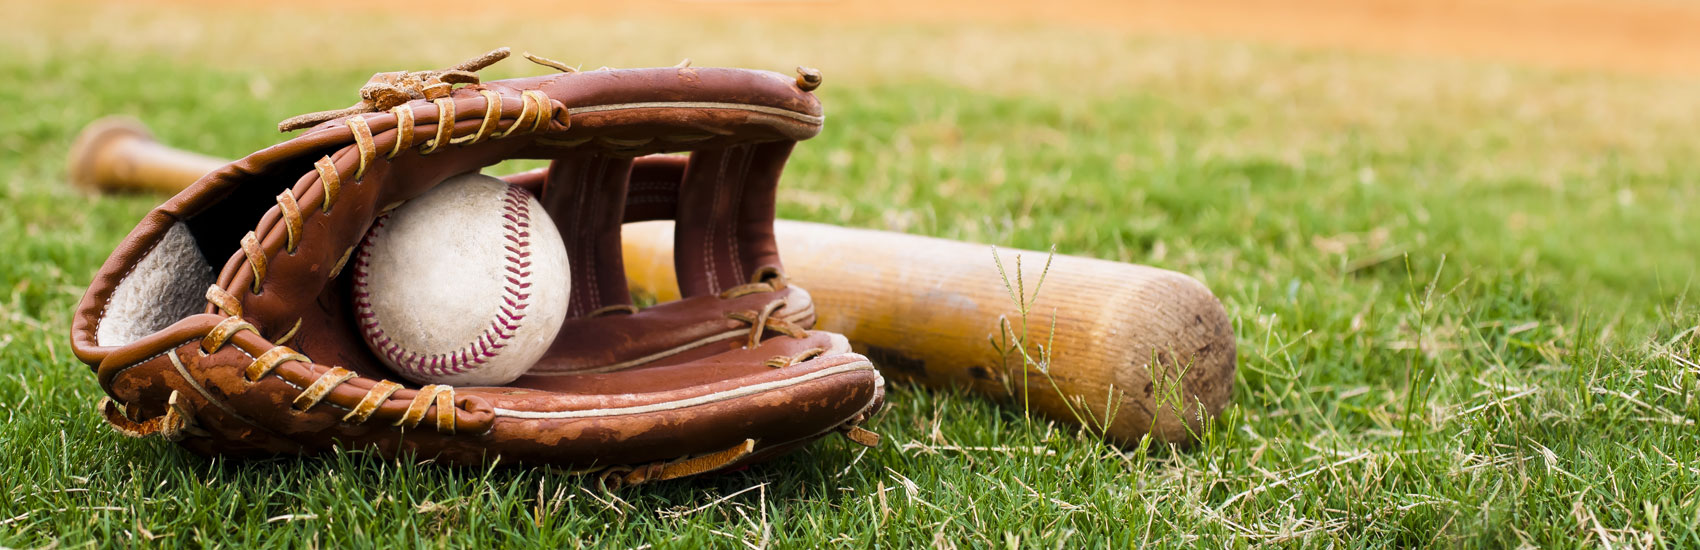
261 355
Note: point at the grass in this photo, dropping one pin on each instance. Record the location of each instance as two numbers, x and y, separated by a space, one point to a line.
1463 292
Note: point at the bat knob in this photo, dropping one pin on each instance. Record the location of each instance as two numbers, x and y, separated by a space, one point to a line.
120 154
90 153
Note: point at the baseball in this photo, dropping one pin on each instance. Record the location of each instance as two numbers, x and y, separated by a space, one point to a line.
465 285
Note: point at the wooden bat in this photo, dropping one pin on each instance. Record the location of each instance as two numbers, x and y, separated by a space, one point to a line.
1124 350
119 154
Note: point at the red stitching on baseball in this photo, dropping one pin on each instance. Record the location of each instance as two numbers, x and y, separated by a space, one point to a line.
517 230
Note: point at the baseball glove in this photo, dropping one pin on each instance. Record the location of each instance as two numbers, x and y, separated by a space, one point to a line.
260 354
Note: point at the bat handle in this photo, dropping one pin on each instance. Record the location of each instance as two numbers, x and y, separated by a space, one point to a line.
119 154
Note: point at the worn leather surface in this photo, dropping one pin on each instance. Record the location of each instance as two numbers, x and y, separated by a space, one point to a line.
618 388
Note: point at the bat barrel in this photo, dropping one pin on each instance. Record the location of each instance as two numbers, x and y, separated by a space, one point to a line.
1123 349
118 154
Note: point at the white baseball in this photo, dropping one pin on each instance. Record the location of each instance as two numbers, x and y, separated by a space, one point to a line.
465 285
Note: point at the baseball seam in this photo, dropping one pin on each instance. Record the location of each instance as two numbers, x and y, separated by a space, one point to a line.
516 295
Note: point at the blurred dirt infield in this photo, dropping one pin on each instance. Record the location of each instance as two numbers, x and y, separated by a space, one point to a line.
1657 37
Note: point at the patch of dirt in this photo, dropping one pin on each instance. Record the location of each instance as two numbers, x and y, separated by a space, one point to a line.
1657 37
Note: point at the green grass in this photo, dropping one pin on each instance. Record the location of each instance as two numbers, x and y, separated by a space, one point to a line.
1464 296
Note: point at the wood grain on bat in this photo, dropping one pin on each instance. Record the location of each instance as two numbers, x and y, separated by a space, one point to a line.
1146 349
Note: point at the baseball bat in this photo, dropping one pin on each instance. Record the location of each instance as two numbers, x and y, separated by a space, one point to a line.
1123 350
119 154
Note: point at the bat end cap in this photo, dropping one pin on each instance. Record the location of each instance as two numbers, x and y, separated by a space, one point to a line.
84 161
